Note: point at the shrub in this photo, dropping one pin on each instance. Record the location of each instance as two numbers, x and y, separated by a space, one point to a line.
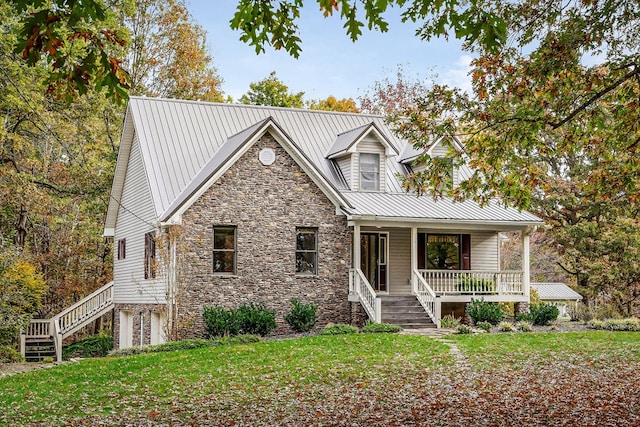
9 355
472 284
449 322
628 324
302 317
255 319
98 346
524 317
219 322
464 330
524 326
485 326
339 329
373 327
483 311
607 311
543 313
506 327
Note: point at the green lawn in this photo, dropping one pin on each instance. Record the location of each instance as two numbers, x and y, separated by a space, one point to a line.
364 379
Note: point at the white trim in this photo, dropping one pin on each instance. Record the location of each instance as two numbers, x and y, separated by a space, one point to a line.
443 224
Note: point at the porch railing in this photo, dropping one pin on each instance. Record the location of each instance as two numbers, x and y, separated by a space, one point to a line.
473 282
71 319
427 297
359 285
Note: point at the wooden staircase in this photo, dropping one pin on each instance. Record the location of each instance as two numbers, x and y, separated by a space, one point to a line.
405 311
43 337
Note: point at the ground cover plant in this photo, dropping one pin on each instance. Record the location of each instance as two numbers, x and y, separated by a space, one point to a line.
572 379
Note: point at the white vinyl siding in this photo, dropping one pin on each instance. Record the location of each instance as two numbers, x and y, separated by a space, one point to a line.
484 251
136 216
399 261
344 164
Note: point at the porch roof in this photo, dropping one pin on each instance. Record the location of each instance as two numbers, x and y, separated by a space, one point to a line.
555 291
406 206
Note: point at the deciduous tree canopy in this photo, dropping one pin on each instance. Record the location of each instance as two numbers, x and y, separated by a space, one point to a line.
271 91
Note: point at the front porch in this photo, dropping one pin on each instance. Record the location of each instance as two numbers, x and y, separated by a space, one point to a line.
392 261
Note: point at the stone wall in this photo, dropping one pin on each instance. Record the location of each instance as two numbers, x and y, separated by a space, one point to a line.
266 204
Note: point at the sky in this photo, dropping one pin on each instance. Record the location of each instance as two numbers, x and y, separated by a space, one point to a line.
330 63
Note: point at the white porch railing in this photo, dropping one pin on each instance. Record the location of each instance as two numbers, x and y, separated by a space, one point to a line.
359 285
71 319
472 282
427 297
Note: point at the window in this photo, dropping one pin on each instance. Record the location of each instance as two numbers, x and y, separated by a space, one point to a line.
306 251
369 171
122 248
224 250
443 251
149 256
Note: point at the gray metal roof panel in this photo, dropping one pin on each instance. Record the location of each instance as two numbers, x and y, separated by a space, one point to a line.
555 291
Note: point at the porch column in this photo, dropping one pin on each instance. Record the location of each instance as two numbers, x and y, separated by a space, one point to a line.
525 263
356 246
414 257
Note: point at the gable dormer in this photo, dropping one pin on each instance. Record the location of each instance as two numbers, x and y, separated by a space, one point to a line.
361 155
438 149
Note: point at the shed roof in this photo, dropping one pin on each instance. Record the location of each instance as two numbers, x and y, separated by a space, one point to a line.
555 291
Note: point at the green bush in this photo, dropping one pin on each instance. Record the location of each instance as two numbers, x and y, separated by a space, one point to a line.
472 284
255 319
485 326
252 319
302 317
373 327
628 324
483 311
9 355
220 322
449 322
464 330
506 327
98 346
339 329
543 313
524 317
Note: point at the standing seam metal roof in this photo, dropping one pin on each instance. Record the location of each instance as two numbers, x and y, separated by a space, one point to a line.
179 138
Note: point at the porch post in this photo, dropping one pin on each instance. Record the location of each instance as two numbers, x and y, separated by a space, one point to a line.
356 246
414 257
525 263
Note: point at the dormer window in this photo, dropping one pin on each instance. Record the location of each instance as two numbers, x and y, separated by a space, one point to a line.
369 172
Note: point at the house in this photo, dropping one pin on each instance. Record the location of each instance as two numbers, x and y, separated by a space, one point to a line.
558 294
224 204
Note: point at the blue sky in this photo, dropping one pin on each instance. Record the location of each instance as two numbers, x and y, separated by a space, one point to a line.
330 64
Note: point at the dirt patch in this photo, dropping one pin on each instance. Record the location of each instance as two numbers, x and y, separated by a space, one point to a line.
7 369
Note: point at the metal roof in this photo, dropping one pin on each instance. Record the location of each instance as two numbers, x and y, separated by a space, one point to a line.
180 139
407 205
555 291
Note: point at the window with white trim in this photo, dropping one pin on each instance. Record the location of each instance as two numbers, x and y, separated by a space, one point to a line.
369 171
149 256
122 248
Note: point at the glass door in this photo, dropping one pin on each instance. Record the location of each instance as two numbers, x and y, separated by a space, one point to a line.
373 259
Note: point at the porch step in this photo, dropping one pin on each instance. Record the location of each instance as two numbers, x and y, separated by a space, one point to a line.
405 311
37 349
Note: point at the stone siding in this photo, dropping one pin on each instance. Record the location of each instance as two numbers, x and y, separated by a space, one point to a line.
265 204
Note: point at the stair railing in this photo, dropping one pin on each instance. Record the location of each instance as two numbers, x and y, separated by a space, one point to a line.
427 297
368 298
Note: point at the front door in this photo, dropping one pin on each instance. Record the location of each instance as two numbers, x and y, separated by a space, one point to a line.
373 259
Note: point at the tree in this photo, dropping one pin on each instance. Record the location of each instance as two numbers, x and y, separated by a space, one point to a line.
167 55
275 22
79 41
345 105
389 97
271 91
21 290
